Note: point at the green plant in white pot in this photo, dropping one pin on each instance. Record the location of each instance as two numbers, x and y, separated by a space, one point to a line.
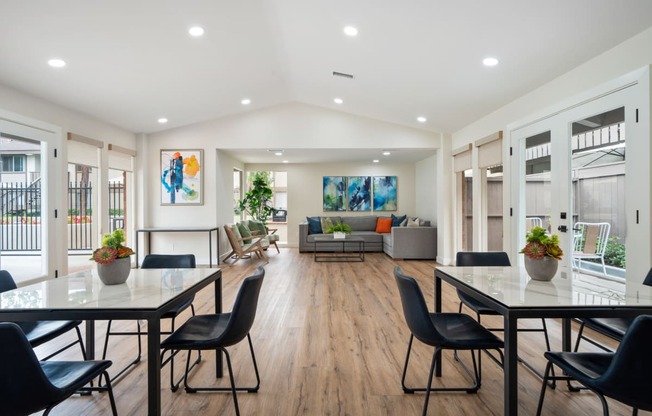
339 230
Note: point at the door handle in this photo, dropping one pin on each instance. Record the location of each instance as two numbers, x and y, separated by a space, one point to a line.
562 228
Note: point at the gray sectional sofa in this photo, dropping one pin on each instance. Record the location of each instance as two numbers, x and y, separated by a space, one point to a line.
402 243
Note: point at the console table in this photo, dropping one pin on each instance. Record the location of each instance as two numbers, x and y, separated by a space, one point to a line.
148 232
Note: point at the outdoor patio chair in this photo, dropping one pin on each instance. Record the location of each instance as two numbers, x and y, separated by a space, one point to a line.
590 242
444 331
623 376
243 247
221 330
40 332
28 385
531 222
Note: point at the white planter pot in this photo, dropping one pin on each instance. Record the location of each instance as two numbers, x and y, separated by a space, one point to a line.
339 235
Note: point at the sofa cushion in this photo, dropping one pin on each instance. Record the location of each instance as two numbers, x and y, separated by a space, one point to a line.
363 223
413 222
398 221
384 225
314 225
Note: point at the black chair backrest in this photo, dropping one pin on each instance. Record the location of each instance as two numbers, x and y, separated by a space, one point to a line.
24 388
415 309
629 375
169 261
486 259
244 309
6 281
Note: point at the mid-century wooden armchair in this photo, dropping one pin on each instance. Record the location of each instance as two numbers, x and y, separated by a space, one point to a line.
243 246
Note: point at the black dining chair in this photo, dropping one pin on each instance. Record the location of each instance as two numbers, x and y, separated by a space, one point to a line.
614 328
40 332
492 259
28 385
159 261
623 376
218 331
444 331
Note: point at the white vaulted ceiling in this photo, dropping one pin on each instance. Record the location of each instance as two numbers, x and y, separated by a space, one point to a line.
130 62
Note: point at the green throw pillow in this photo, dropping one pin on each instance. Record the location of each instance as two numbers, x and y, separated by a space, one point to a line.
257 226
326 223
244 230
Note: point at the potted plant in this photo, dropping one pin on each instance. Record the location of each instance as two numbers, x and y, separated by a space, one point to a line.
255 202
339 230
542 254
113 263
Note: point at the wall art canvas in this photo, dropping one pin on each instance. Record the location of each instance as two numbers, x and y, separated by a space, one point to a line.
334 193
385 193
181 177
359 193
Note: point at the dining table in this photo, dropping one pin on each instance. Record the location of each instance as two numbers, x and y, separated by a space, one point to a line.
146 295
514 295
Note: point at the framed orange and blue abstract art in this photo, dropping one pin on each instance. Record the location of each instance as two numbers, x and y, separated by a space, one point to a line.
182 177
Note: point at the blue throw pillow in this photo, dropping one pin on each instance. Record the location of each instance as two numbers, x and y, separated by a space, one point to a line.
314 225
397 221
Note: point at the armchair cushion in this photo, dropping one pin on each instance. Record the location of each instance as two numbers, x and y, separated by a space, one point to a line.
244 230
257 226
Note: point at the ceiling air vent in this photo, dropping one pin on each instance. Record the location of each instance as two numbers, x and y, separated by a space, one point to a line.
342 75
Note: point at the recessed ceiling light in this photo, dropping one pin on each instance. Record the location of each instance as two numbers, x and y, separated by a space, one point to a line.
285 161
57 63
162 120
278 153
246 101
338 100
350 31
387 153
376 160
490 61
196 31
422 119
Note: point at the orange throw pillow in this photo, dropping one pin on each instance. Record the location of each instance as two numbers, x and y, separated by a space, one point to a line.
384 225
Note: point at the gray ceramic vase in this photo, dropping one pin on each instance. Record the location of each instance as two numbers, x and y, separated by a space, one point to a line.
115 272
543 269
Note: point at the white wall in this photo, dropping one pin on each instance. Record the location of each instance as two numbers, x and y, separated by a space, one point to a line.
64 120
631 55
285 126
305 193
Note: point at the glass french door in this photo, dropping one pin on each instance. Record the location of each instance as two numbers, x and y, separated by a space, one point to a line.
575 177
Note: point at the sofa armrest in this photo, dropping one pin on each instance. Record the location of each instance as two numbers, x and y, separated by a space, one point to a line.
414 243
303 238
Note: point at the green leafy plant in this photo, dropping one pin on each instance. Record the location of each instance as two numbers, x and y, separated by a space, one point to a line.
614 254
112 248
539 244
339 228
257 199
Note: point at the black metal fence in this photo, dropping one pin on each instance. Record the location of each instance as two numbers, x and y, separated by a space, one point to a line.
20 227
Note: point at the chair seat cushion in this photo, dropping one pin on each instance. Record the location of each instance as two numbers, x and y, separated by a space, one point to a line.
273 238
462 332
40 332
475 305
611 327
70 376
582 366
198 333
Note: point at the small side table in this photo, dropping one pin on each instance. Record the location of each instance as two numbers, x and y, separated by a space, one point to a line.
148 232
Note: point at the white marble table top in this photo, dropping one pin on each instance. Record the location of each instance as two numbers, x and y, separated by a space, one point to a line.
512 287
145 289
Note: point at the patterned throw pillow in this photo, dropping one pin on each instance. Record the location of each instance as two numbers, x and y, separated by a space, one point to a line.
397 221
326 222
413 222
314 225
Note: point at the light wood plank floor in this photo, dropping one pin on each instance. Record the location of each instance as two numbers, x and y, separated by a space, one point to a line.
330 339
